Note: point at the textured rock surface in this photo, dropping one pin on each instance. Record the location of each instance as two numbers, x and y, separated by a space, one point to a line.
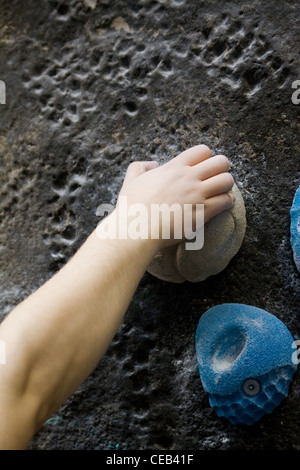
245 362
295 228
92 86
223 237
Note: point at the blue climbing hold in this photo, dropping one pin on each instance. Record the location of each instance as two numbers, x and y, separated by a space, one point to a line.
295 228
245 360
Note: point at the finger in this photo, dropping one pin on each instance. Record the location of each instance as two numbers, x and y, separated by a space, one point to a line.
194 155
212 167
218 184
217 204
146 166
137 168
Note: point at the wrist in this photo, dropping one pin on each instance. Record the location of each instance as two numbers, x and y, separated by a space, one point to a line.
121 231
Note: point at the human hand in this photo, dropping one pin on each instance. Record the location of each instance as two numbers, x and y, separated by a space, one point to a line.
194 177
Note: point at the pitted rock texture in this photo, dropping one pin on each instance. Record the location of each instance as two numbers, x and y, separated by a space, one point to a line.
93 85
223 237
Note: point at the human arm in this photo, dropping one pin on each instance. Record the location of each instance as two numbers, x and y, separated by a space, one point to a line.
56 337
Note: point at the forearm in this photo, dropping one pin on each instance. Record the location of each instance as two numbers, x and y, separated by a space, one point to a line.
56 337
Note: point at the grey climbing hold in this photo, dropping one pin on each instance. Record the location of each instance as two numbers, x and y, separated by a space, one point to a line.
223 237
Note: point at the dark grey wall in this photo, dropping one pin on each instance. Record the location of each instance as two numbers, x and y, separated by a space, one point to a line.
84 99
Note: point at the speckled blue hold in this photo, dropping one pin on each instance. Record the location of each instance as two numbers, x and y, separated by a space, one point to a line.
295 228
245 360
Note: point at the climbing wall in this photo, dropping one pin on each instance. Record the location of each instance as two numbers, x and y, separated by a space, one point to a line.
92 85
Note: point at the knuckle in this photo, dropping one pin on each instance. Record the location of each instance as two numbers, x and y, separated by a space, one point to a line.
171 163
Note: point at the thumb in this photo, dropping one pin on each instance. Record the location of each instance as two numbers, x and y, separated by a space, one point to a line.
138 168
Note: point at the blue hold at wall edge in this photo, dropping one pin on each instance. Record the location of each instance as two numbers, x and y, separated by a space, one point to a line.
295 228
245 360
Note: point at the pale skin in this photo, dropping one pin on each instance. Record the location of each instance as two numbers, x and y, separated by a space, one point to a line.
56 337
